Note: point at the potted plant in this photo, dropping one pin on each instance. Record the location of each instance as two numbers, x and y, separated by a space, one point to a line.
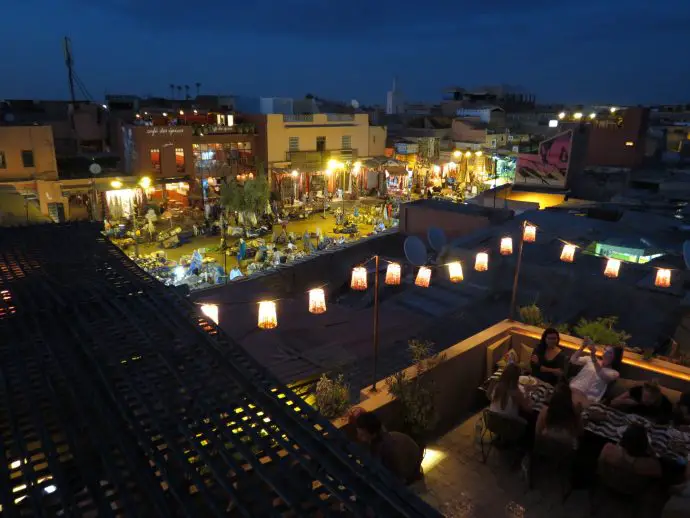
332 396
416 395
602 331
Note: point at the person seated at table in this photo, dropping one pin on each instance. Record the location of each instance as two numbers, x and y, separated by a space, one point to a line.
646 400
590 384
633 452
681 413
548 358
506 396
396 451
561 419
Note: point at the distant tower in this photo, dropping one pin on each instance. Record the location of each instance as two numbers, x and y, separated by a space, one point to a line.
393 98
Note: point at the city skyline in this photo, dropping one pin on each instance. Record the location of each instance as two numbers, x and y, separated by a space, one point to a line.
618 53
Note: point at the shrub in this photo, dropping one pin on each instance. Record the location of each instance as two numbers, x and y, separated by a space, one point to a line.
332 396
532 316
601 331
416 395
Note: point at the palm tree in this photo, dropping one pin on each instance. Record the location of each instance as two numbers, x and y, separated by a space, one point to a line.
198 87
186 92
179 91
172 90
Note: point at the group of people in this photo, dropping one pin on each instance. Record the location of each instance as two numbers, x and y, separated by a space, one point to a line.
561 418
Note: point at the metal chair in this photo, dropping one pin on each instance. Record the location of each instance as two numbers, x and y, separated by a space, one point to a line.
556 453
509 430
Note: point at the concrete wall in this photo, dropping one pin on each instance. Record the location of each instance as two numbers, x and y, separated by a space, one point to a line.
416 220
464 132
38 140
377 141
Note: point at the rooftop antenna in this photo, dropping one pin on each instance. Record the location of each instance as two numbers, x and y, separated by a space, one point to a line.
69 62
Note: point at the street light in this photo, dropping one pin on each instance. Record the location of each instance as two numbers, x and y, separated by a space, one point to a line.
457 153
561 115
592 115
116 184
578 115
145 182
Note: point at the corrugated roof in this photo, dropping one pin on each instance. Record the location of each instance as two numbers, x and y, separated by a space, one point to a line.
119 399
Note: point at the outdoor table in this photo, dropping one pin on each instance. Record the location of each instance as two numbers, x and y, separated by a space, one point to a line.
666 441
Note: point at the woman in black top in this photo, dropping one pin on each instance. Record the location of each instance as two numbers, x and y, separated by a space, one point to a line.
548 359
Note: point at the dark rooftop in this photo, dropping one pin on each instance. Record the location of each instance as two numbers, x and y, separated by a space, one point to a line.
119 399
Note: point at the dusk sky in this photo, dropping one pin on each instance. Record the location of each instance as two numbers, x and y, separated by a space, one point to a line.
617 51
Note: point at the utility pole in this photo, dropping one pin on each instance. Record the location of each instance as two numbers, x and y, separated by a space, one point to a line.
69 62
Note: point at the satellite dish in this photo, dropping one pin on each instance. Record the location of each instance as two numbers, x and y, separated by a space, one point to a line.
415 251
686 254
437 238
95 168
354 103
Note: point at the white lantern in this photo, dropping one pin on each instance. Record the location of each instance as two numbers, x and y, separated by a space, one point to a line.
393 274
663 278
612 268
267 315
506 246
359 279
568 253
481 263
211 311
455 271
530 234
423 277
317 301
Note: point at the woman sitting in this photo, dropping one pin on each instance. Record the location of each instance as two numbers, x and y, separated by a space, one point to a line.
506 396
632 452
561 419
548 358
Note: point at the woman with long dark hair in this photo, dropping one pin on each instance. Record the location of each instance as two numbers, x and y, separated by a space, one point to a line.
548 358
560 419
506 396
633 452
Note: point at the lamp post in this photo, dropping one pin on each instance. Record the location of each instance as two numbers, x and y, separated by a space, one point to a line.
376 320
511 313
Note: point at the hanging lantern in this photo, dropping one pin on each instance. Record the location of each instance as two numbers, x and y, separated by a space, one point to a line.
530 234
423 277
211 311
481 263
506 246
359 279
568 253
267 315
317 301
663 278
393 274
455 271
612 268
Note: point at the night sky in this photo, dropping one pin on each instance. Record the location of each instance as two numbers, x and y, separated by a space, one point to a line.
612 51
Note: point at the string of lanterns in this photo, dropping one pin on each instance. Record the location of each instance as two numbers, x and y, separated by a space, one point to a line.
267 317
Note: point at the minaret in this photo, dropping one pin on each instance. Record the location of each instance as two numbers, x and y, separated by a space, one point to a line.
392 99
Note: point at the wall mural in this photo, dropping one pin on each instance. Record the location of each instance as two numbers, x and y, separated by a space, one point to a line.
550 165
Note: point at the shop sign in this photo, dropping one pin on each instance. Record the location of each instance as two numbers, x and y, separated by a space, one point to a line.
164 131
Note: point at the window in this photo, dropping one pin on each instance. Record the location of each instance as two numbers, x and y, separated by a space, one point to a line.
28 158
346 141
179 159
321 144
293 144
3 162
155 155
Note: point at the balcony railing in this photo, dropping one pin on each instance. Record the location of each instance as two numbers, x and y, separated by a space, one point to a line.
320 157
340 117
306 117
216 129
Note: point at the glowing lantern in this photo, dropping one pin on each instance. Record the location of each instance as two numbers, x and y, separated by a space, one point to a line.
612 268
481 263
530 234
393 274
423 277
359 279
568 253
506 246
663 278
211 311
317 301
455 271
267 315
